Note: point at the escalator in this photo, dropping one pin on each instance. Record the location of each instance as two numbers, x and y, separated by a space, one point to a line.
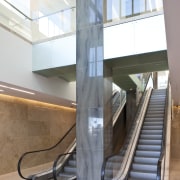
68 170
141 156
64 167
148 149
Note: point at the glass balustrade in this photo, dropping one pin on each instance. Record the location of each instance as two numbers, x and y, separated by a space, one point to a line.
44 23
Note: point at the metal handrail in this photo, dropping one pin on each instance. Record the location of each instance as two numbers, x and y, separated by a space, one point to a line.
41 150
163 145
136 117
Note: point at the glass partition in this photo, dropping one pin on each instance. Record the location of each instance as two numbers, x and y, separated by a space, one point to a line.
121 9
37 21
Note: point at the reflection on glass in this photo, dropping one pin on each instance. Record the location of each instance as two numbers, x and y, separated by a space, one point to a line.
95 61
92 17
64 20
95 119
139 6
113 9
118 9
55 24
126 8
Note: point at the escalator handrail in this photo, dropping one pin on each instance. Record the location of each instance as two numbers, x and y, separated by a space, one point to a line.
138 109
56 161
163 145
41 150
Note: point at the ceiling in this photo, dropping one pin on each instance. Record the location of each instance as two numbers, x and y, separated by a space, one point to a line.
121 67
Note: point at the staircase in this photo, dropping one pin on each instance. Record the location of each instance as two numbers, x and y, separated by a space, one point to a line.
148 149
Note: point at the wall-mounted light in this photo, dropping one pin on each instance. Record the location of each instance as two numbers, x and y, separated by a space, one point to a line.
16 89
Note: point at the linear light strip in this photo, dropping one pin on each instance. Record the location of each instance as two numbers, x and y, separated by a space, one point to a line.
15 89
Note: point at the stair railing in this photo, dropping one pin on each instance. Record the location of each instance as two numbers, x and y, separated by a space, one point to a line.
163 162
40 151
135 127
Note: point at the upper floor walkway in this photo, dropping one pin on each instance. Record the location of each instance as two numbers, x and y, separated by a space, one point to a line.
130 47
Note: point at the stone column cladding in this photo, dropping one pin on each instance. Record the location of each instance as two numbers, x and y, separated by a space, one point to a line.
94 91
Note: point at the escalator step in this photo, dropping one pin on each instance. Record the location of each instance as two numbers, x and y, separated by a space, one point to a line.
146 160
149 142
70 169
144 167
143 175
150 136
157 127
149 147
155 132
142 153
150 123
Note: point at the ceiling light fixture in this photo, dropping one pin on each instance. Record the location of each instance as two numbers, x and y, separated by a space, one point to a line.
16 89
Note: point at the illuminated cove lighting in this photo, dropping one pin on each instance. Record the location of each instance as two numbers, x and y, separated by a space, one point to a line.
16 89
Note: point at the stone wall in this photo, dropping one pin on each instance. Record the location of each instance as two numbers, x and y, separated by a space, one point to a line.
29 125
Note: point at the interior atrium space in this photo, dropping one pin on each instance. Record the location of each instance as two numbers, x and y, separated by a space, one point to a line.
89 90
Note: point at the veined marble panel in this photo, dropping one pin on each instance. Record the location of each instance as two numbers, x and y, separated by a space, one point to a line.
94 91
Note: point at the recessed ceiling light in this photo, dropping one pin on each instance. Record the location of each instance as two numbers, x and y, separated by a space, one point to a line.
16 89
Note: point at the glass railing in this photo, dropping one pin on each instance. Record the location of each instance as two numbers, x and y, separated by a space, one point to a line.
118 102
116 163
63 22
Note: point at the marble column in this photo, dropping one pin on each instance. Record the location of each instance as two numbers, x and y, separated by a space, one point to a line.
94 91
